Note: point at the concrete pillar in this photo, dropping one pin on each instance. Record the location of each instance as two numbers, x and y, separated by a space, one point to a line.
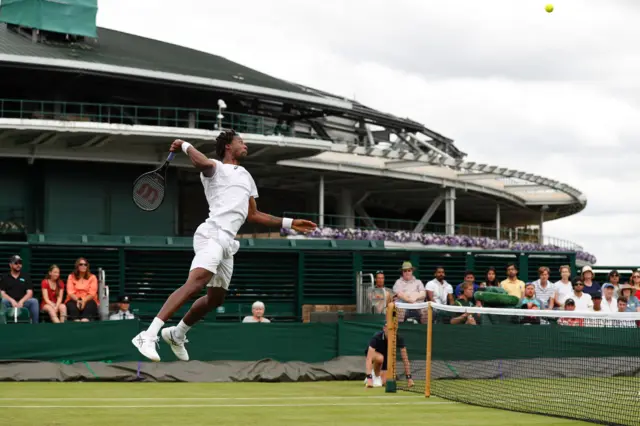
541 230
345 208
498 222
450 210
321 202
192 120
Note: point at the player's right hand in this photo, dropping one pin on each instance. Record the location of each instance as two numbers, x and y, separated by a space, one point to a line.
176 145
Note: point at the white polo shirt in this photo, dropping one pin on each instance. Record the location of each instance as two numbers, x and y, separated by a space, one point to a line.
440 290
583 303
563 291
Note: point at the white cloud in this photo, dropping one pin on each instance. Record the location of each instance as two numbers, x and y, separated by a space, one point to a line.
555 94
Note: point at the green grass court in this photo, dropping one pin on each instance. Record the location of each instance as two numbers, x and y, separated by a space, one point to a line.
264 404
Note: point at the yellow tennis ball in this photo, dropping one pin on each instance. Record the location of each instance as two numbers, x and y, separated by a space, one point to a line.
549 8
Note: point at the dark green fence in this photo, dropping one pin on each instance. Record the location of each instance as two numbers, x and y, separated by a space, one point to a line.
284 274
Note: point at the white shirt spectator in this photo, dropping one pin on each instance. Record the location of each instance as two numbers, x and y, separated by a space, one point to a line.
440 291
583 303
563 291
121 315
251 318
607 306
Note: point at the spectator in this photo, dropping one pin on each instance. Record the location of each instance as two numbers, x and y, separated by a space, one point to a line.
609 301
543 288
257 311
590 287
562 288
380 296
570 305
469 277
82 293
614 279
597 302
409 289
52 296
529 301
466 299
581 299
623 307
491 278
626 291
123 313
17 290
439 290
512 284
635 282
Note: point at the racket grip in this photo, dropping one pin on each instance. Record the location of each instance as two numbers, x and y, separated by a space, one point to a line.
171 155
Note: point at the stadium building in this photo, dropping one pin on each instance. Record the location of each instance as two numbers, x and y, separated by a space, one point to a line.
86 110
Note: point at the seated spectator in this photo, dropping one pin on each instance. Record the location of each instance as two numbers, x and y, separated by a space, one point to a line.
627 291
123 310
257 309
469 277
380 296
614 279
512 284
491 278
597 302
590 287
438 289
465 299
52 296
544 289
581 299
609 302
562 288
17 290
634 281
82 293
409 289
570 305
530 301
623 307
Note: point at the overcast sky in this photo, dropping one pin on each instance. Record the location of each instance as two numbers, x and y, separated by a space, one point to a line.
553 94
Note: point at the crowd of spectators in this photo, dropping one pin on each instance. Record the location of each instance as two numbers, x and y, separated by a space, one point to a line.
580 293
75 299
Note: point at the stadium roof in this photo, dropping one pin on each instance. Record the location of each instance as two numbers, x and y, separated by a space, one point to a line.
115 52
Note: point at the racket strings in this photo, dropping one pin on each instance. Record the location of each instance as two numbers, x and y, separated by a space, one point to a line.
148 191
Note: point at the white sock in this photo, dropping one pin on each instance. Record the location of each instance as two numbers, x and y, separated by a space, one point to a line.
181 330
155 326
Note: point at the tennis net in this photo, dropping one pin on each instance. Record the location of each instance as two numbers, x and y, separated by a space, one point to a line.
578 365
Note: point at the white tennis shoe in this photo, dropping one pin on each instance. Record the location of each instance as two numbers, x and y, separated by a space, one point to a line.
177 345
146 344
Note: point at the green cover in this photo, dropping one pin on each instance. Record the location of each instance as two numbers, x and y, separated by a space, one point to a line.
77 17
491 299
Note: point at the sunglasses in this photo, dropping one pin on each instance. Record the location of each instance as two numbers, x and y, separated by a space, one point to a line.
17 262
407 270
83 264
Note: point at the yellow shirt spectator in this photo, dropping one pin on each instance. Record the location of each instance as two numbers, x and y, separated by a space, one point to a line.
513 287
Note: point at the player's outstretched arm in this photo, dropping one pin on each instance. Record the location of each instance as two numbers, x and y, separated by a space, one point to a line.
255 216
200 161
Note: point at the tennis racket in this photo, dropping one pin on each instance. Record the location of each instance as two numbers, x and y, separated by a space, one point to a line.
148 189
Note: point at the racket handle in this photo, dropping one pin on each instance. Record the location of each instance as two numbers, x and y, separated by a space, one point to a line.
171 155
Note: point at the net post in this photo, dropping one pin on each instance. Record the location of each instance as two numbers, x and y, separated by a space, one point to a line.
392 330
427 379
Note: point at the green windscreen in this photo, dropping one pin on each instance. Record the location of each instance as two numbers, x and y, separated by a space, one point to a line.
76 17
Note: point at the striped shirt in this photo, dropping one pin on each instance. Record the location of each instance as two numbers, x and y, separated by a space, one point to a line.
544 293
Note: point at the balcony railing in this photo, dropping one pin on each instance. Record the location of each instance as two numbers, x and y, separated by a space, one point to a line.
469 230
205 119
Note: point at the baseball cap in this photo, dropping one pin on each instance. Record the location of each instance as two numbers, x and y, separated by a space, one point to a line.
124 299
596 295
607 285
15 259
569 302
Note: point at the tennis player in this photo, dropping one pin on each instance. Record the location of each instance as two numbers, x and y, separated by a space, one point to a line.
231 193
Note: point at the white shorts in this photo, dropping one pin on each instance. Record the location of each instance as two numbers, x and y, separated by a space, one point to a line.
210 254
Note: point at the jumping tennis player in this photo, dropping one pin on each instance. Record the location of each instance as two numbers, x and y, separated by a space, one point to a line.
231 194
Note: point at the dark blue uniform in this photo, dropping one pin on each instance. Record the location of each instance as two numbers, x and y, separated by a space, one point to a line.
379 343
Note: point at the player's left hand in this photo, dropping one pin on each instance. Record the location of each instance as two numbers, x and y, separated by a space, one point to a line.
303 226
410 383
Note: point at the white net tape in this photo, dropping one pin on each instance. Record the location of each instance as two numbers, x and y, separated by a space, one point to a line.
521 312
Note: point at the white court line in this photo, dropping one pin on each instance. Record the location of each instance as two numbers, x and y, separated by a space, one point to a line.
335 404
256 398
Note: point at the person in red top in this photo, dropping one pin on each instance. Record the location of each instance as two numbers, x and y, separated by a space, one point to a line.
82 293
52 293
